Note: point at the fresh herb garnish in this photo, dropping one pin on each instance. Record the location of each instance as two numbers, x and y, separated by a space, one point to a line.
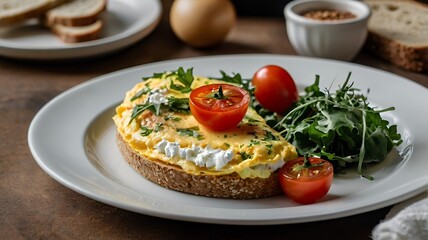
155 75
253 142
140 108
178 104
145 131
174 104
237 80
185 78
269 137
172 117
251 120
269 148
141 93
158 127
191 132
245 156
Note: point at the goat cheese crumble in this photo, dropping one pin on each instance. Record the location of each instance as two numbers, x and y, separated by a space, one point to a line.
157 97
202 157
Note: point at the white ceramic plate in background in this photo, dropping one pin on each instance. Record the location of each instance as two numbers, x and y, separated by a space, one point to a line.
126 22
73 139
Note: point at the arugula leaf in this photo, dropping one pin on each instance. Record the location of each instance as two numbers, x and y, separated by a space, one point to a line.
158 127
155 75
178 104
140 108
174 104
141 93
237 79
185 78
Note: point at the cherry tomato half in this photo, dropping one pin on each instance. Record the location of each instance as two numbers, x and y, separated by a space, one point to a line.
274 88
306 184
219 107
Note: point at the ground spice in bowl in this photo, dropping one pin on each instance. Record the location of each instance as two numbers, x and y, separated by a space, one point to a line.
328 15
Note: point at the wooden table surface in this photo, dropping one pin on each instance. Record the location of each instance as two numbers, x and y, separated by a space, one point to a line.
35 206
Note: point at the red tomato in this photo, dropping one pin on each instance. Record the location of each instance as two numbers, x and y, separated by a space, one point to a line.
274 88
219 107
306 184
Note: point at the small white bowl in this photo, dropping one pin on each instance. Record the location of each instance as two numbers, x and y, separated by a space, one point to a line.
339 39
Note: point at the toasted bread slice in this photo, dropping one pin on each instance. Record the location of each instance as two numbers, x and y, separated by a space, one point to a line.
398 32
17 11
219 186
78 33
76 13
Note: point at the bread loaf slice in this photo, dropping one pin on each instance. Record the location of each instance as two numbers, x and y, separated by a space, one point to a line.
78 33
76 13
219 186
16 11
398 32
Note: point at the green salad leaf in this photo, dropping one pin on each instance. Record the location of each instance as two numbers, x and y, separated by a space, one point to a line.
340 127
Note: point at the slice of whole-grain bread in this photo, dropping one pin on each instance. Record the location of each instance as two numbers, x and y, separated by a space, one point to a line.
398 32
78 33
76 13
219 186
17 11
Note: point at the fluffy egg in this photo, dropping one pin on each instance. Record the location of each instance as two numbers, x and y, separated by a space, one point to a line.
202 23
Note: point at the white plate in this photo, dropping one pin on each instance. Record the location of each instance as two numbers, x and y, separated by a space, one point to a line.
126 22
72 139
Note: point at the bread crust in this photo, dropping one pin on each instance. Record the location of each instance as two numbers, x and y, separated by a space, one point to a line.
52 17
382 40
72 36
29 12
406 57
218 186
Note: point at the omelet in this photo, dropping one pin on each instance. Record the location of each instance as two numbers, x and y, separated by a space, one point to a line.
155 121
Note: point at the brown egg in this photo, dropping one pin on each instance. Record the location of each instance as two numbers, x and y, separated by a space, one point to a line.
202 23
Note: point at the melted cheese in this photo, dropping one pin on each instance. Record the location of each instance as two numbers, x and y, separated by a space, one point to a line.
254 149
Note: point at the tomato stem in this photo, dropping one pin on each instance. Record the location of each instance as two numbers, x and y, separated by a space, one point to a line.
219 94
306 165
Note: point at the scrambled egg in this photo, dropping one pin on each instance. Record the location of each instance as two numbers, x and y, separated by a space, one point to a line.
257 149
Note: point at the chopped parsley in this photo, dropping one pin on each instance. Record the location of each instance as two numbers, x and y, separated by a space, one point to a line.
245 155
158 127
269 137
269 148
145 131
191 132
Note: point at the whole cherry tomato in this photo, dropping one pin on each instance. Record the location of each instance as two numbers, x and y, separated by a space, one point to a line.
306 181
274 88
219 107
